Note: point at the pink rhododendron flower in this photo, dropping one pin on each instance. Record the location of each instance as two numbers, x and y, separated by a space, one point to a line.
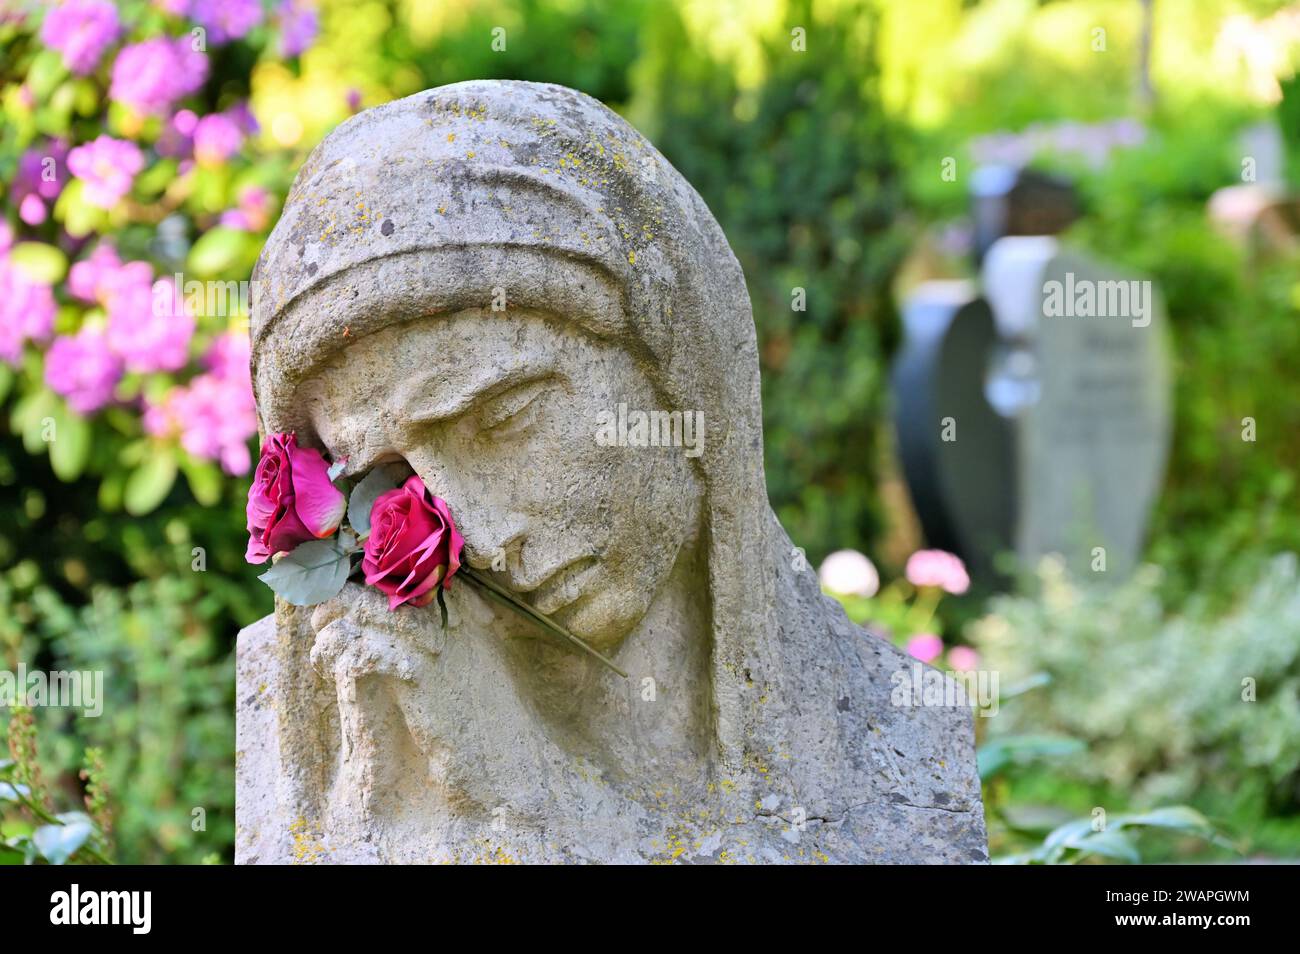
228 358
152 76
413 545
32 210
149 326
98 276
26 308
299 25
938 568
177 136
292 499
214 415
226 20
214 418
216 139
107 166
81 30
963 659
42 171
253 213
926 647
84 369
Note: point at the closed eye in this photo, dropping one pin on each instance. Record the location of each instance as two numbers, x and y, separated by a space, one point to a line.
514 410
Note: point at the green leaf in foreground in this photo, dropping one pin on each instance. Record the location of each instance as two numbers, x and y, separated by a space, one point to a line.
58 843
374 485
314 572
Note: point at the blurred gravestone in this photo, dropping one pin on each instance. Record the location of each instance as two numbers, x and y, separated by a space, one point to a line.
1092 437
955 448
1057 401
1006 200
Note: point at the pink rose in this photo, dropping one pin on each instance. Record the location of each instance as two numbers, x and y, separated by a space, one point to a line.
413 545
292 499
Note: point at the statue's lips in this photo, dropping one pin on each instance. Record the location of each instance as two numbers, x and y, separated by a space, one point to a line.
563 586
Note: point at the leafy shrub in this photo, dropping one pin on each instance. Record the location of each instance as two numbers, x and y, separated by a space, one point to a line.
803 174
166 733
1202 706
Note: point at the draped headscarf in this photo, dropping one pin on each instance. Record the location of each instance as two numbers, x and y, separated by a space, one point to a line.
443 197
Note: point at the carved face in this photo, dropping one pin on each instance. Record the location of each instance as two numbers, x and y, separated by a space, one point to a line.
501 415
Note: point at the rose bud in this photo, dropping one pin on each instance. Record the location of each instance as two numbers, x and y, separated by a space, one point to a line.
413 545
292 499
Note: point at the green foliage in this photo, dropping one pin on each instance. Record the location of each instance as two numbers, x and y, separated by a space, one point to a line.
1087 839
165 740
802 173
28 831
1200 706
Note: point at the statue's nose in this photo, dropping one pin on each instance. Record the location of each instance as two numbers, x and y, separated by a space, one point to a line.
493 548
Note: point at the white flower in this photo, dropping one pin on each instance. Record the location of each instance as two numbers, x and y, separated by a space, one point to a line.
849 573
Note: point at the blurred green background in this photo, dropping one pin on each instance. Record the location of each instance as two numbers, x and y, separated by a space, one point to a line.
823 166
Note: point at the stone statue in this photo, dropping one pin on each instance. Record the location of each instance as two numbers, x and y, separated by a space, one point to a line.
465 283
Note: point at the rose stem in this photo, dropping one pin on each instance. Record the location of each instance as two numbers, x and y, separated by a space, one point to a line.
509 599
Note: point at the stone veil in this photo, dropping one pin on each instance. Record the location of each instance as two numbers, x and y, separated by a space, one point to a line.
757 724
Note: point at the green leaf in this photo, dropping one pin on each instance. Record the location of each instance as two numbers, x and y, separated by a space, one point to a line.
150 483
216 251
153 181
374 485
39 262
1178 817
998 754
57 843
110 491
78 216
70 449
30 416
204 479
1109 844
11 791
314 572
45 73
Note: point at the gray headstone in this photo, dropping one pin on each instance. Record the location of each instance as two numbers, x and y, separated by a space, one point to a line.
1092 438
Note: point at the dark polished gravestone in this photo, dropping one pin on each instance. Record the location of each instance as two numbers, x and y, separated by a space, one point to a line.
955 449
1057 394
1006 200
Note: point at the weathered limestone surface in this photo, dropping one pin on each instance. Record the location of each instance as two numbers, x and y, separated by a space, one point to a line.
462 283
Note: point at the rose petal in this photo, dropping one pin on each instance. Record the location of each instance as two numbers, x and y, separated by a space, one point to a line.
320 505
